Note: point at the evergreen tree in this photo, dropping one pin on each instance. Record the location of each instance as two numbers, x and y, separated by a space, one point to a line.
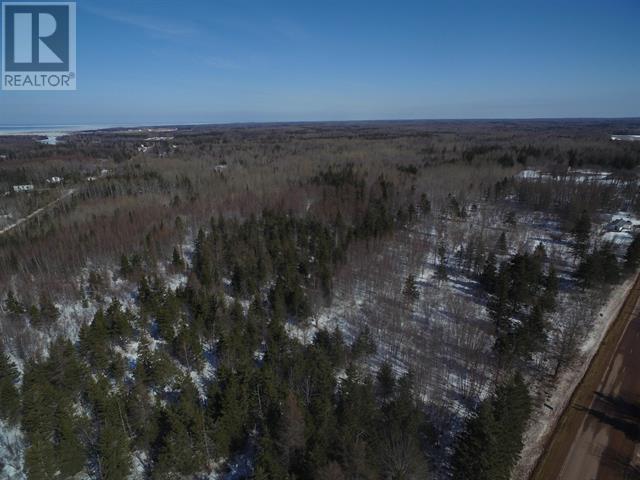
475 446
581 232
94 341
12 305
501 245
632 257
125 266
182 438
491 443
40 461
425 204
48 311
512 408
176 259
532 334
410 289
489 274
69 451
386 382
113 451
550 289
441 268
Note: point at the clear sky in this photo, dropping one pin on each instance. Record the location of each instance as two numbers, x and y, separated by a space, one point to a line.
159 61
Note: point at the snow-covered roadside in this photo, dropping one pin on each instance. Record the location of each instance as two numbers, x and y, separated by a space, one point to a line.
544 419
11 452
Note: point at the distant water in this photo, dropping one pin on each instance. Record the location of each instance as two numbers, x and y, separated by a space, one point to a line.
46 129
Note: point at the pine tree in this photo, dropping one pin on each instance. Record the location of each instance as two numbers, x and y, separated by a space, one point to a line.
176 259
551 285
40 458
489 274
512 408
501 245
181 449
425 204
532 334
386 382
113 451
48 311
94 341
471 459
69 451
12 305
581 232
410 289
125 266
632 257
492 440
441 269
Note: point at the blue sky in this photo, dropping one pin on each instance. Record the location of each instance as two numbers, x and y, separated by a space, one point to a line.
156 61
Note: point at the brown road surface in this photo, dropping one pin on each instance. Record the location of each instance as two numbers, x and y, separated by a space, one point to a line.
598 436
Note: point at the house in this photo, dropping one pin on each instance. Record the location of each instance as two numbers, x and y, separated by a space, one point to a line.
54 180
22 188
619 225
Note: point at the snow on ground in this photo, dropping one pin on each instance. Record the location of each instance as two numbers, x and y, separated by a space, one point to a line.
11 453
578 176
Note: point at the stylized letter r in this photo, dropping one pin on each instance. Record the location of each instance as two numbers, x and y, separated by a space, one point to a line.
23 38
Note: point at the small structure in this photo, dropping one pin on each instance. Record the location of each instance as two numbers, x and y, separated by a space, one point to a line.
619 225
104 172
625 138
54 180
22 188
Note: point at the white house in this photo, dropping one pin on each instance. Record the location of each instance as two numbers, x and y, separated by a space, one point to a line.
54 180
619 225
22 188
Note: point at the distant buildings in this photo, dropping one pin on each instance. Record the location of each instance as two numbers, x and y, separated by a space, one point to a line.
628 138
54 180
22 188
619 225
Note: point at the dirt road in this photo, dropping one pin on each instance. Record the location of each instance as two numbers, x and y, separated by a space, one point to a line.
37 212
598 436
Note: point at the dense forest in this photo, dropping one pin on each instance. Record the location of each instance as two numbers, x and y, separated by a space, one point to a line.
337 301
